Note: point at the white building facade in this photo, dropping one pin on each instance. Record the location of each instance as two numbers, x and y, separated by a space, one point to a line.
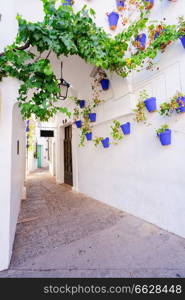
137 175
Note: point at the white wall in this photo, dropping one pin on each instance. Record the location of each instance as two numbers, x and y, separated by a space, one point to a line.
11 129
138 175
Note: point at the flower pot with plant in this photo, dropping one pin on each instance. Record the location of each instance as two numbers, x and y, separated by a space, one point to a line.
126 128
143 103
181 30
116 132
81 103
120 4
164 134
140 41
92 117
104 84
148 3
76 115
113 18
67 2
105 142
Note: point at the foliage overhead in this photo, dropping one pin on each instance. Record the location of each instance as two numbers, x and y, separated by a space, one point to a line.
64 32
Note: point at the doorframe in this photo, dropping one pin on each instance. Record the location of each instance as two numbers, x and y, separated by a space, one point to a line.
60 154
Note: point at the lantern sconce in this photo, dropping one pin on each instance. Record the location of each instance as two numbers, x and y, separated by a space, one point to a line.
64 86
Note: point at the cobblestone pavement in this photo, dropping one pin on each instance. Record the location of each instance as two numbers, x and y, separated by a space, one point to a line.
76 236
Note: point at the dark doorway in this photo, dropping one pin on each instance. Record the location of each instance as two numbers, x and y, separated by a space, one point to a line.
68 166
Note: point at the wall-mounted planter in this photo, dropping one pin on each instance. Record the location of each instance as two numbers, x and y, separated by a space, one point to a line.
182 38
150 104
105 84
120 4
67 2
105 142
78 123
140 41
149 3
81 103
165 137
92 117
126 128
89 136
181 102
113 18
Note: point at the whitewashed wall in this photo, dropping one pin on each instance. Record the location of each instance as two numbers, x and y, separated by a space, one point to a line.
138 175
12 166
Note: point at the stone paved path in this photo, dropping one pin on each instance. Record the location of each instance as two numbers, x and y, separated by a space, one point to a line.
76 236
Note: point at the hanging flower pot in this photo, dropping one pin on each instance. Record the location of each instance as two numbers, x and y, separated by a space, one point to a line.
92 117
105 84
89 136
78 123
150 104
126 128
165 137
67 2
182 38
140 41
81 103
149 3
181 102
105 142
113 18
120 4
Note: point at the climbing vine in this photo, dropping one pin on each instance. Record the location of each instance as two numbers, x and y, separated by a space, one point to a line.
64 32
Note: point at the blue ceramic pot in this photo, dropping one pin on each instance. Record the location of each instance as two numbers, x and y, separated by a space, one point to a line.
120 4
141 40
89 136
181 102
78 123
113 18
67 2
126 128
150 104
105 84
82 103
165 137
182 38
105 142
92 117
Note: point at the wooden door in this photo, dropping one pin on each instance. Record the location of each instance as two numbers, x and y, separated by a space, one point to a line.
68 167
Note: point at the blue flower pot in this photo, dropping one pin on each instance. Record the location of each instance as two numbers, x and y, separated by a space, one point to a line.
27 129
126 128
89 136
165 137
182 38
105 142
141 39
92 117
67 2
150 104
120 4
78 123
82 103
105 84
181 102
150 3
113 18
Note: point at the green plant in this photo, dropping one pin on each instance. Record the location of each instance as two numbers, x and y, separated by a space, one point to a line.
64 32
97 141
116 132
162 128
140 107
76 113
167 108
181 25
86 128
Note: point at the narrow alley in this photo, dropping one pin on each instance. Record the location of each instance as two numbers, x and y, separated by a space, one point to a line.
72 235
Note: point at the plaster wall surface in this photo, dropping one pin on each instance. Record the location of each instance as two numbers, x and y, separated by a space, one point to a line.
138 175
